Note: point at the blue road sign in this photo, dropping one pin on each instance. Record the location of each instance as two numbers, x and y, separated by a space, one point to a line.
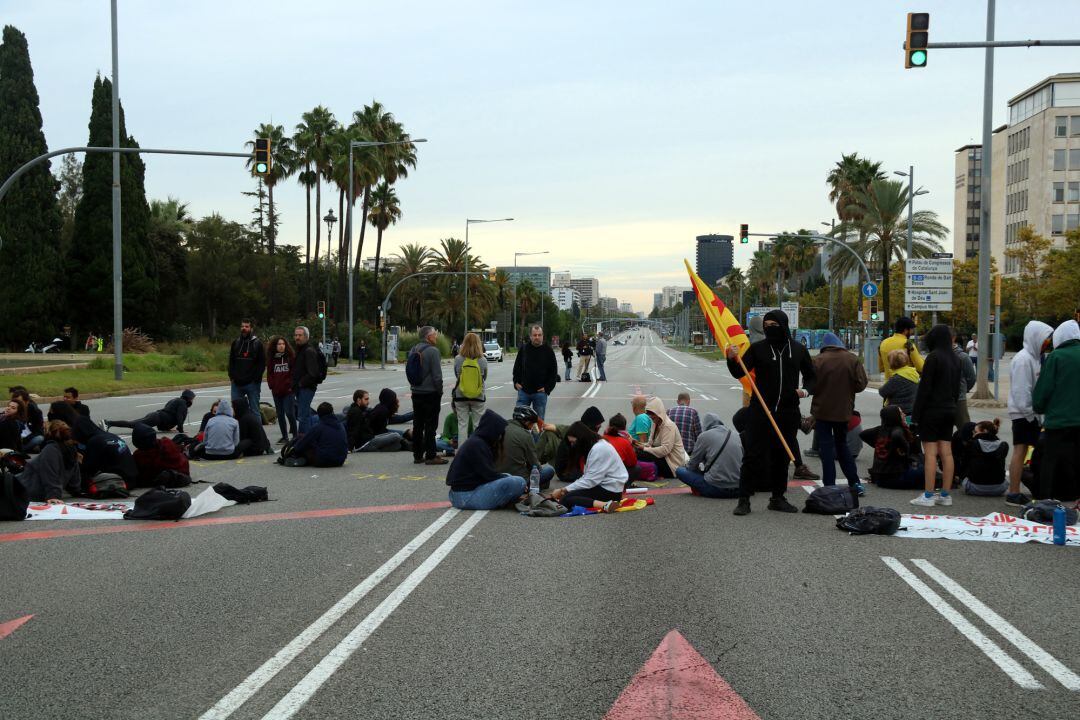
869 289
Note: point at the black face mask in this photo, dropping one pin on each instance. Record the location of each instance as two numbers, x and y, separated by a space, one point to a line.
775 335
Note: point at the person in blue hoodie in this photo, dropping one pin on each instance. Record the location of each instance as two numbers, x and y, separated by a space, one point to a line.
475 483
326 444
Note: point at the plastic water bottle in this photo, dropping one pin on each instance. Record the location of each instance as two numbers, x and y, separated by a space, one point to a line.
534 483
1059 525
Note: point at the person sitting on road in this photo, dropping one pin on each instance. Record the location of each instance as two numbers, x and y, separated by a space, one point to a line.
447 442
980 458
604 476
171 416
896 452
55 469
208 417
64 412
687 420
900 389
12 423
642 425
386 413
103 452
251 429
221 439
519 449
71 397
325 445
554 448
664 446
360 434
153 455
713 468
619 439
33 423
474 480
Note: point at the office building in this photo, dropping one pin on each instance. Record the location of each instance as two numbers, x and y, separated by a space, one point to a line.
967 203
672 295
589 288
565 297
609 304
626 307
715 257
539 276
657 300
386 262
560 279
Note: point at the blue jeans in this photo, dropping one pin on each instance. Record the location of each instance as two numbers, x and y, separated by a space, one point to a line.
304 398
444 446
569 368
250 392
696 481
832 444
490 496
285 405
538 401
600 367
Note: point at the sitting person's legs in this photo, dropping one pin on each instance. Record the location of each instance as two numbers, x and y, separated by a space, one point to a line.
490 496
588 497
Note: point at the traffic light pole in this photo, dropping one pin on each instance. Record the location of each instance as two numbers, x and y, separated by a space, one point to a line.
386 306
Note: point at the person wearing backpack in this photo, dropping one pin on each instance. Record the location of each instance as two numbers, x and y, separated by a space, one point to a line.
423 368
470 369
308 372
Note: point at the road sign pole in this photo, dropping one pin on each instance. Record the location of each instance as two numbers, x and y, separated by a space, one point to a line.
982 391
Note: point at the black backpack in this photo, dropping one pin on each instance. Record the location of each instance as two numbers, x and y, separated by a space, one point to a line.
320 365
831 500
159 504
870 521
1042 511
414 367
242 496
13 497
172 479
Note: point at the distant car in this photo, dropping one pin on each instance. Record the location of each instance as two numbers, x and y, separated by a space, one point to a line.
618 342
493 352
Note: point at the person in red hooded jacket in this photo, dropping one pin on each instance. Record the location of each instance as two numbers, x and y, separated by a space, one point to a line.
153 454
279 367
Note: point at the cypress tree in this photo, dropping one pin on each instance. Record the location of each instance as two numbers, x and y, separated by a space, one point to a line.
29 216
89 264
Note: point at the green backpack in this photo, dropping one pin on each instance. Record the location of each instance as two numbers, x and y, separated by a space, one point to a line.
471 381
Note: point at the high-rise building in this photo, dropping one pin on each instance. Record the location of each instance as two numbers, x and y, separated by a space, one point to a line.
967 203
565 297
672 295
560 279
539 276
626 307
609 304
715 257
589 288
657 300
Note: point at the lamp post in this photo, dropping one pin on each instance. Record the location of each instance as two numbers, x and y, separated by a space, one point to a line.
516 256
329 220
353 144
910 175
469 222
832 226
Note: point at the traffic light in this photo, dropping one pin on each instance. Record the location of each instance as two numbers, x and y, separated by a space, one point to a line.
744 234
322 309
865 314
262 156
874 316
918 36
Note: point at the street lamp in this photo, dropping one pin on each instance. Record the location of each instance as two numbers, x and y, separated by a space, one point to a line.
514 322
469 222
353 144
329 220
910 175
832 226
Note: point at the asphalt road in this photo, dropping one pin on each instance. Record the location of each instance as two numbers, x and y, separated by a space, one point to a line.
356 593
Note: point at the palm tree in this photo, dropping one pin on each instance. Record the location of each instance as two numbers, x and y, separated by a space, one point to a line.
882 225
734 282
385 211
312 132
282 166
414 258
171 214
762 274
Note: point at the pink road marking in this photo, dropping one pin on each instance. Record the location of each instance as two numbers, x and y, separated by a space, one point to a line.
677 683
146 525
12 625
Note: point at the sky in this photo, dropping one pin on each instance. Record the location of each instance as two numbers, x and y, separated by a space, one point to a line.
613 132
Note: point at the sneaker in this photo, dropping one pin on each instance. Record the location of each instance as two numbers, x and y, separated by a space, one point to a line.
1018 499
811 453
945 500
804 473
781 504
610 506
923 501
743 508
436 461
860 489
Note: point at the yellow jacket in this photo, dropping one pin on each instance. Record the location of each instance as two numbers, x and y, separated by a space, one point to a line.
898 342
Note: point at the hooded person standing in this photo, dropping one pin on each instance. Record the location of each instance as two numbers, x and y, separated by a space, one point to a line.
935 412
777 363
839 378
247 361
1057 398
1023 374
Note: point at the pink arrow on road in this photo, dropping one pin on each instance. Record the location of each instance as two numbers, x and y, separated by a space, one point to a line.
677 683
12 625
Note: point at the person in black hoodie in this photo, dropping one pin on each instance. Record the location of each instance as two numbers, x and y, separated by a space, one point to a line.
386 413
103 452
358 427
536 372
35 420
251 429
934 414
895 465
247 361
306 373
171 416
474 482
980 458
324 445
777 363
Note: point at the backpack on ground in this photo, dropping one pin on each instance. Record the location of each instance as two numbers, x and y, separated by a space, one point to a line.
831 500
268 412
242 496
586 377
320 366
870 521
1042 511
13 497
172 479
286 452
414 367
159 504
106 485
471 380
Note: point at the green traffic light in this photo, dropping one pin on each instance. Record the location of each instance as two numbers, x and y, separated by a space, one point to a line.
918 58
260 168
321 316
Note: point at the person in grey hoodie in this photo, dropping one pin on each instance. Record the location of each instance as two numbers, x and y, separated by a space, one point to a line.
426 396
1026 425
55 469
713 469
967 381
221 439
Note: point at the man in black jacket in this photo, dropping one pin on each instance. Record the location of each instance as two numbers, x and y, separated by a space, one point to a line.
171 416
306 376
247 361
777 363
536 371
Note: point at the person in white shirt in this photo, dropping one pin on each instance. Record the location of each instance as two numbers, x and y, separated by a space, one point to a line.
972 348
603 478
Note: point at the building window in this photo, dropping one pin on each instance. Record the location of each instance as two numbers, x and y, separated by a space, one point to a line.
1074 122
1060 125
1057 224
1074 159
1059 159
1072 221
1059 192
1074 192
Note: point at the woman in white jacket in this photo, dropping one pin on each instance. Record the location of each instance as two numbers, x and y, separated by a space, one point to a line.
1023 372
602 481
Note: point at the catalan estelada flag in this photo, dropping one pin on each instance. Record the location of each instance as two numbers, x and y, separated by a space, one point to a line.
722 322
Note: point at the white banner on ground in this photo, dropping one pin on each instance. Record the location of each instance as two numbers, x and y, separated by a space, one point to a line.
995 527
42 511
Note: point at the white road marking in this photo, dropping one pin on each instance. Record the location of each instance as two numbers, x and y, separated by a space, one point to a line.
991 649
677 362
590 389
310 684
1043 659
251 685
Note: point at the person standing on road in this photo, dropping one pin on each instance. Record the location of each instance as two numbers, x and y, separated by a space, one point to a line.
687 420
967 381
972 348
171 416
900 340
362 352
935 413
713 468
777 363
600 351
1057 397
568 359
584 351
468 397
536 372
279 366
839 378
1023 374
426 396
475 482
306 377
247 360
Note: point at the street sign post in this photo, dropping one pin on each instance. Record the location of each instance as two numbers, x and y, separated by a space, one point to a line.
791 309
929 283
869 289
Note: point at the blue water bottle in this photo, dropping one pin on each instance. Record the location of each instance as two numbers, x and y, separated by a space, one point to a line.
1059 525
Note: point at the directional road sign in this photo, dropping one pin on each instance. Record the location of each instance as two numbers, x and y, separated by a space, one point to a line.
869 289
